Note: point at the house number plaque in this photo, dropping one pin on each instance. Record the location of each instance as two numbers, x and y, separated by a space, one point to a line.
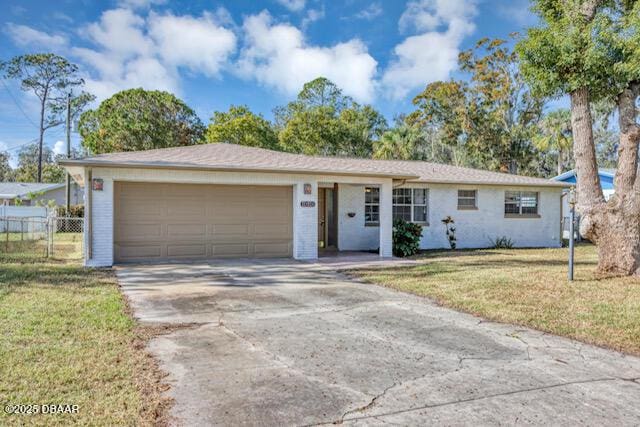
308 204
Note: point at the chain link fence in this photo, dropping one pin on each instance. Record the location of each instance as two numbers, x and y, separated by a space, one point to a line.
24 238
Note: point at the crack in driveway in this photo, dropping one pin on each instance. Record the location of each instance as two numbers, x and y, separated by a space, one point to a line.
459 401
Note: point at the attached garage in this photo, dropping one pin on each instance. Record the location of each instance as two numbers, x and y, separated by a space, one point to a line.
161 222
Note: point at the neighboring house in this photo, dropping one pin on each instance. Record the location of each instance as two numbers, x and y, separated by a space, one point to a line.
30 193
224 200
570 178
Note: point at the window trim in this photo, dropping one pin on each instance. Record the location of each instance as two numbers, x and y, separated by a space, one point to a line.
413 205
475 200
371 223
520 214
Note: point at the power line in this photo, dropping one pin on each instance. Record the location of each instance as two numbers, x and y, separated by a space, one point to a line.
15 147
19 106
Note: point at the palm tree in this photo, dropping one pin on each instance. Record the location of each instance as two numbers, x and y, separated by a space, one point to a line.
555 135
399 143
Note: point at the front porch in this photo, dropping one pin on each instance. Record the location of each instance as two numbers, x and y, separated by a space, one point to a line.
354 219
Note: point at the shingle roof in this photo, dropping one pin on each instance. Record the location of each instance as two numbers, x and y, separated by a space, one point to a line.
10 190
240 158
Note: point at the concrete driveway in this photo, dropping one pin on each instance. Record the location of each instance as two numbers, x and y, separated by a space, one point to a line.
287 343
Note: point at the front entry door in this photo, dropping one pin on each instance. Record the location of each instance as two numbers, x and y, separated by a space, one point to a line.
322 218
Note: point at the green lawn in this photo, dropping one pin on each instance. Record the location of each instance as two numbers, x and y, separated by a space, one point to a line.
67 338
527 287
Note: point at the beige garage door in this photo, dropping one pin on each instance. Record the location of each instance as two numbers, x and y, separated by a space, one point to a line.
156 222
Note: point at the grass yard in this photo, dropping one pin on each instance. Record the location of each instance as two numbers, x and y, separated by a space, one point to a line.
68 338
527 287
16 247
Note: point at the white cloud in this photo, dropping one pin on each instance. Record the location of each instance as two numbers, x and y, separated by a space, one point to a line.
133 51
197 43
313 15
429 15
27 36
432 55
277 55
293 5
121 33
370 12
59 148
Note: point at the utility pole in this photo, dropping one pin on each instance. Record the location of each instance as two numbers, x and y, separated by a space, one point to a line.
68 186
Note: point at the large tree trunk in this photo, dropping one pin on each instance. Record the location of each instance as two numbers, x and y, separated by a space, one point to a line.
588 180
614 226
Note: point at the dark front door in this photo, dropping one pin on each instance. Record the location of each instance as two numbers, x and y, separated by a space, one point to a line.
322 218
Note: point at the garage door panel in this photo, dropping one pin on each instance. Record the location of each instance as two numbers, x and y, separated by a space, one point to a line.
226 230
136 209
128 232
237 212
186 208
138 252
230 250
182 231
278 231
186 250
156 222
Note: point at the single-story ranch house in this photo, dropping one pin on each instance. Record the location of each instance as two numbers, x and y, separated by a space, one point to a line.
29 193
224 200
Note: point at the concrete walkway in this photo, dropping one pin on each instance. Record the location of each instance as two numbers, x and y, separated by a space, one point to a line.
287 343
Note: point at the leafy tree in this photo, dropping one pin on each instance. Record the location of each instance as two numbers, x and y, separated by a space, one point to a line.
28 159
590 49
399 143
493 115
138 119
6 173
364 125
323 121
554 137
50 78
240 126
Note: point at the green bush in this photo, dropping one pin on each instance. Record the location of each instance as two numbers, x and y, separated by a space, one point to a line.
75 211
406 238
502 243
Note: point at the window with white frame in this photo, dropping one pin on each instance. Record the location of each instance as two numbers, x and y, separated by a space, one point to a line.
523 203
410 204
467 199
371 205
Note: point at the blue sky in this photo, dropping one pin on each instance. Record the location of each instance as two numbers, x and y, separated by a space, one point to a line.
216 53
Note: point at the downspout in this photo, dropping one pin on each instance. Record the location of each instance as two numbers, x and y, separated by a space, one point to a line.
563 195
88 185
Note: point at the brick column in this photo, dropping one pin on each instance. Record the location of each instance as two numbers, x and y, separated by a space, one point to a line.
386 219
305 221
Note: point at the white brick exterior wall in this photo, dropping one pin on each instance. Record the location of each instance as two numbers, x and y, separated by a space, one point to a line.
353 235
477 228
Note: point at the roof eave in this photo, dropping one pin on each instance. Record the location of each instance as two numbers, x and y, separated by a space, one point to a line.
552 184
145 165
